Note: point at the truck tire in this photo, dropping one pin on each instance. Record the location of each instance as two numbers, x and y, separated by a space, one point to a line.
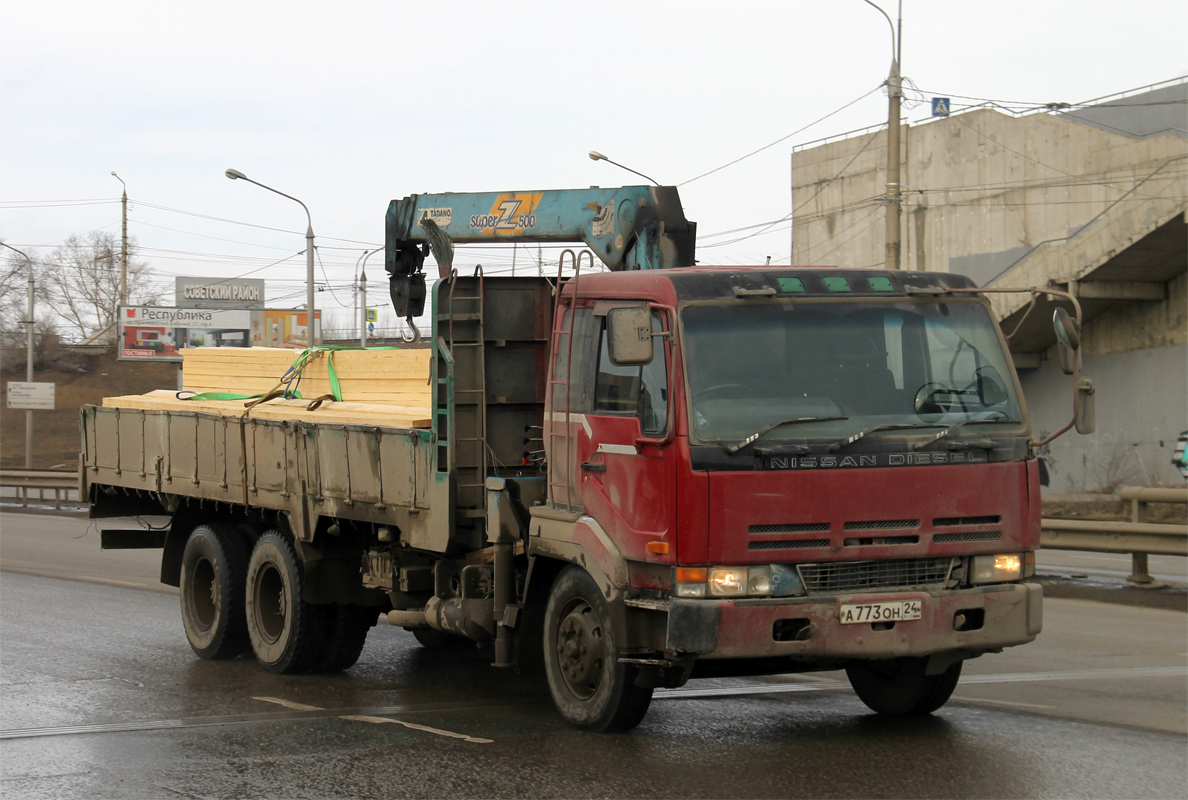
590 688
286 632
347 627
212 603
898 687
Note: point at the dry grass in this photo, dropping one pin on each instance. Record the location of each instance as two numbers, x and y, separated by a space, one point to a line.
55 433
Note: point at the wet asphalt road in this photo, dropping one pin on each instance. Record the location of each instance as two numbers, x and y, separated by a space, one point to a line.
101 697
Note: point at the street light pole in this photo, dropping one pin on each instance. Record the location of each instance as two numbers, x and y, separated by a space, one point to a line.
363 298
123 243
596 156
28 358
311 338
894 96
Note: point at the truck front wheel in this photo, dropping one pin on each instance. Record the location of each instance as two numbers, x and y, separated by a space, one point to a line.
212 602
590 688
899 686
286 632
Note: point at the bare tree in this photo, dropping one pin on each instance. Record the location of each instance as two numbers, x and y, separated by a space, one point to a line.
14 309
83 281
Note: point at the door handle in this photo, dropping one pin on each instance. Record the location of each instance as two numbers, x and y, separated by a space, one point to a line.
588 467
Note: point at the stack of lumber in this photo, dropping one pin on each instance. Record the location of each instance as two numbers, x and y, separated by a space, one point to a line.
378 387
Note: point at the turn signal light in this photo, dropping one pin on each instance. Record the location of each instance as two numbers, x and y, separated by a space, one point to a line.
659 548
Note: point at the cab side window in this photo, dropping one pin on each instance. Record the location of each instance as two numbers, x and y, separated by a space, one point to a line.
634 390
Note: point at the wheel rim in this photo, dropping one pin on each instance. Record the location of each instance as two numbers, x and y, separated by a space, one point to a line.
269 597
581 650
203 594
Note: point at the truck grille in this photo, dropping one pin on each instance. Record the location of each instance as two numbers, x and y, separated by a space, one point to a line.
787 544
865 576
801 527
969 536
882 525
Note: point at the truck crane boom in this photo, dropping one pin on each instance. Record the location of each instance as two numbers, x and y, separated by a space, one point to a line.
628 228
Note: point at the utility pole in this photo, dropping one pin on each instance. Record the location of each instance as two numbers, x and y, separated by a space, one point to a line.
123 243
29 371
894 193
28 321
894 96
363 303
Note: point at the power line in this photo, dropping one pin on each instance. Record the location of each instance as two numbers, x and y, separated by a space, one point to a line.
782 138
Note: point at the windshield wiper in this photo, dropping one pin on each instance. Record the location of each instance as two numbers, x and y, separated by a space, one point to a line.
886 426
735 448
951 428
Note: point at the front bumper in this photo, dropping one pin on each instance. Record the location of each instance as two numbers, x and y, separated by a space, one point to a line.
1011 614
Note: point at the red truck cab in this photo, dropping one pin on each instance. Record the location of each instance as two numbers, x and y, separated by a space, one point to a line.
806 469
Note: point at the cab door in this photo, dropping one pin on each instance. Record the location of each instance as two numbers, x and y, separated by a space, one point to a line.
625 460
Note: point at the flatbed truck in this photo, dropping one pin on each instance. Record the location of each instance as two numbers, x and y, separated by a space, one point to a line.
633 477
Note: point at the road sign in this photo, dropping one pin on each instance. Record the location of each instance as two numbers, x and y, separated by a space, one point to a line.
940 106
23 394
372 314
371 327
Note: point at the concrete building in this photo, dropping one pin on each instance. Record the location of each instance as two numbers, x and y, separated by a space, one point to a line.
1092 200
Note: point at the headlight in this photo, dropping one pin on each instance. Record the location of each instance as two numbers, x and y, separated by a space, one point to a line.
996 569
728 581
723 581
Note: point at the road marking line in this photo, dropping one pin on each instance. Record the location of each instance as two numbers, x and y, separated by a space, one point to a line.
1098 674
415 727
998 702
289 704
376 720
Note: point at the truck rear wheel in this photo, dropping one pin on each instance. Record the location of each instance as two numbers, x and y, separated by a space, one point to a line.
347 627
212 603
285 631
898 686
590 688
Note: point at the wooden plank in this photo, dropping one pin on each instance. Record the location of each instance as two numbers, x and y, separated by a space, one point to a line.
363 374
350 413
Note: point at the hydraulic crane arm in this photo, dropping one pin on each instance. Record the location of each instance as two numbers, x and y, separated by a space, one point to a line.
630 227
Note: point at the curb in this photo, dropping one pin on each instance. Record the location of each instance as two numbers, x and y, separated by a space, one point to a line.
1169 599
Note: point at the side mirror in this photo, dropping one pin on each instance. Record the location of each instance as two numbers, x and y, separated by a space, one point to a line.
629 336
1069 335
1086 411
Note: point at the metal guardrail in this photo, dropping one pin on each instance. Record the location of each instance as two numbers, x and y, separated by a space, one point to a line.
42 480
1137 537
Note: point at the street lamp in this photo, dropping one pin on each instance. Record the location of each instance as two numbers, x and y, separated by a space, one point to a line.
363 295
123 243
894 95
596 156
28 360
311 315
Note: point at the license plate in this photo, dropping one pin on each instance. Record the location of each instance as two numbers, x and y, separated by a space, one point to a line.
899 611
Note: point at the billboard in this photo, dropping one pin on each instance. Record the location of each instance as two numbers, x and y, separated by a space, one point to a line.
159 333
219 293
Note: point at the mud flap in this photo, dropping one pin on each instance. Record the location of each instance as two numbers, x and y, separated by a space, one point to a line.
692 626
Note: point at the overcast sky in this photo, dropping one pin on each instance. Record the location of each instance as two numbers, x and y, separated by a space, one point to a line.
348 105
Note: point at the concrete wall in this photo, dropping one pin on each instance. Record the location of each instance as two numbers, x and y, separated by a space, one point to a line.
1029 201
1137 326
981 191
1142 406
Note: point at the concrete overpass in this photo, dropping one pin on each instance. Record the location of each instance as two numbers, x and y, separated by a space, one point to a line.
1093 200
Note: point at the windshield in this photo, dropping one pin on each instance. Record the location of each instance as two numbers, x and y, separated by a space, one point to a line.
853 364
